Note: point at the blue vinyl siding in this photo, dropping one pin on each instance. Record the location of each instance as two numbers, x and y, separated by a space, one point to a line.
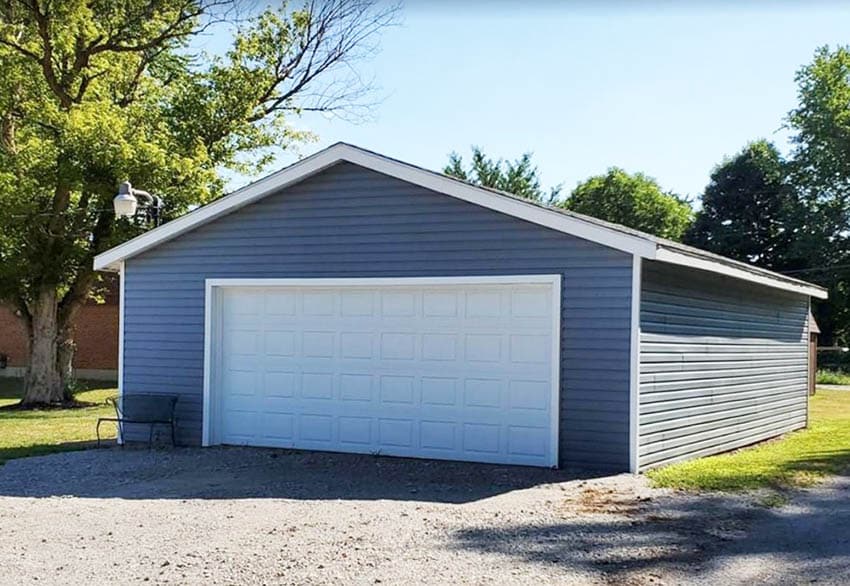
723 364
352 222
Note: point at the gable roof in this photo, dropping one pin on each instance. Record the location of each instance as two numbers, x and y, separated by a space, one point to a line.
585 227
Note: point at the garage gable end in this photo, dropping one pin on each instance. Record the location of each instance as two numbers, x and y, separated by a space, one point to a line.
354 223
568 223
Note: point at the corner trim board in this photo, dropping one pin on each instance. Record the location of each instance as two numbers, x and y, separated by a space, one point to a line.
634 369
121 308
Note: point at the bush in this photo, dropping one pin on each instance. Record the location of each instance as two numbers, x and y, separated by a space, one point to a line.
833 377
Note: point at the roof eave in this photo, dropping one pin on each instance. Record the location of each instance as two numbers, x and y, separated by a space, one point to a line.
760 277
642 245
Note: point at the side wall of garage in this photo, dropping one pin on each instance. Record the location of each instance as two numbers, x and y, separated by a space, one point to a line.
723 364
352 222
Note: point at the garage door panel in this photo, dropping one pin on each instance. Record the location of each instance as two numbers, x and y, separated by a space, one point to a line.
237 426
318 344
277 426
482 393
283 343
529 395
398 346
481 437
356 345
279 303
439 435
395 432
355 430
241 382
356 387
241 342
280 384
439 391
319 303
315 427
398 303
444 371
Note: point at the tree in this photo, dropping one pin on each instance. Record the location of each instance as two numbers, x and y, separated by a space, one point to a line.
635 201
821 172
748 209
95 92
519 177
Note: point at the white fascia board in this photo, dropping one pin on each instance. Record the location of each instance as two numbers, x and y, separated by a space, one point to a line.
434 181
687 260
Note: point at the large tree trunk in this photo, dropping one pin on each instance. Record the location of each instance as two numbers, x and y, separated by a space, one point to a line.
43 382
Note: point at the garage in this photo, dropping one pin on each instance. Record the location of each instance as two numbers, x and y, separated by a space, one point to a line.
353 302
454 368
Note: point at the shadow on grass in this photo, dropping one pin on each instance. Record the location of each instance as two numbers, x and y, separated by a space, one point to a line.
12 453
12 388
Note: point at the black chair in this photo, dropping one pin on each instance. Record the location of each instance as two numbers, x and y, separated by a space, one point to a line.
148 409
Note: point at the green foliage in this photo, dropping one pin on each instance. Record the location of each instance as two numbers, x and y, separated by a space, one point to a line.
636 201
832 377
748 209
519 177
821 173
96 92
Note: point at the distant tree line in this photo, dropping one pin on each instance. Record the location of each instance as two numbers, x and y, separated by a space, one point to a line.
790 215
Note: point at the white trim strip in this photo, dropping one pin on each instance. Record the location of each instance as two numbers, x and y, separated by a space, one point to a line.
555 407
208 313
688 260
383 281
121 322
211 311
634 369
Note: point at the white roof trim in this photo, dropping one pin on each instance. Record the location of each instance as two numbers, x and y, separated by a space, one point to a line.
695 262
626 240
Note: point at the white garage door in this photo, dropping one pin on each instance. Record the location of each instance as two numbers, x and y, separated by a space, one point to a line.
459 369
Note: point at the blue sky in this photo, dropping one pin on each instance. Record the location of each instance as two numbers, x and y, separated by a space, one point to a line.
659 87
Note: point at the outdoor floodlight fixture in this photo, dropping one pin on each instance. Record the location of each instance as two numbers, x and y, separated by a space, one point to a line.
131 202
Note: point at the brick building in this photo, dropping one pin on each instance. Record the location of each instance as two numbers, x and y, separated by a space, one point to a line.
96 338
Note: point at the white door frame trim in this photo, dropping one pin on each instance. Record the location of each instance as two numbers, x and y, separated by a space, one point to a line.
211 311
121 307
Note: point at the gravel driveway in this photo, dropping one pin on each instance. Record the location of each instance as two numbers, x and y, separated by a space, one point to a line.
250 516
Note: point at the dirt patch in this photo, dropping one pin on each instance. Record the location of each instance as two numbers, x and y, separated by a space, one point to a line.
603 500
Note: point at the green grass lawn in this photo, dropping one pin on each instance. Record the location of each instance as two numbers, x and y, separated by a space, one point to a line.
34 433
833 377
798 459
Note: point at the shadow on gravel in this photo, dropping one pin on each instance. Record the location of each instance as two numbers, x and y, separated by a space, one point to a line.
692 535
241 473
